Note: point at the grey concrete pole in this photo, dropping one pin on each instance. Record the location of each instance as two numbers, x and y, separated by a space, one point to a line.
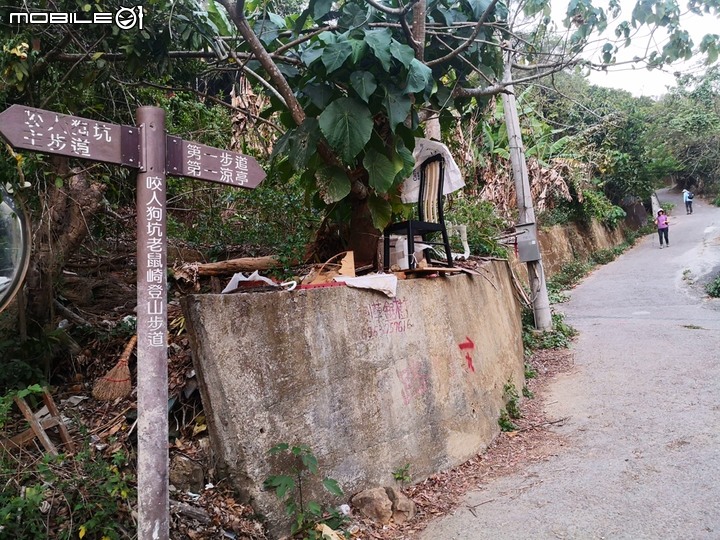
152 376
536 274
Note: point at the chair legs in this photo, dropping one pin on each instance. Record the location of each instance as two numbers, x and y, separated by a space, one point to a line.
410 234
446 241
411 246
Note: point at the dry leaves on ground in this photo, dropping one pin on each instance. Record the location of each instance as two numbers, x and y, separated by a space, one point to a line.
509 452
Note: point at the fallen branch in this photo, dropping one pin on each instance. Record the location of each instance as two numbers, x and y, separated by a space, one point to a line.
190 511
545 424
70 314
191 271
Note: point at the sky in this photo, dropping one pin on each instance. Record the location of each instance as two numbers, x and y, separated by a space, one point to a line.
639 80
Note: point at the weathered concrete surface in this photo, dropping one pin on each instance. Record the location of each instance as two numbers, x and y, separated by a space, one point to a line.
561 244
370 383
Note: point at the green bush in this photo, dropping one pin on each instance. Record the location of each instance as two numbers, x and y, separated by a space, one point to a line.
558 337
558 215
43 498
667 206
23 363
569 275
301 466
483 225
597 205
605 256
512 400
713 288
505 423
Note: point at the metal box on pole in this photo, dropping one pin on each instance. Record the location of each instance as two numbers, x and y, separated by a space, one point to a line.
527 243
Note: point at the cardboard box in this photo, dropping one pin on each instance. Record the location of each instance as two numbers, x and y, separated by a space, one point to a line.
398 251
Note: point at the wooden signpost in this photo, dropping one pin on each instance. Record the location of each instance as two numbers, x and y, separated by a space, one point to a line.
155 154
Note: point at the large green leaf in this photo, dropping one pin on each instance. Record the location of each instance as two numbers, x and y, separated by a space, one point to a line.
380 211
335 55
217 14
281 483
303 145
266 30
380 170
333 184
320 8
404 163
328 38
314 508
397 105
299 144
479 7
347 125
363 82
419 77
359 47
404 53
332 487
319 94
310 54
379 42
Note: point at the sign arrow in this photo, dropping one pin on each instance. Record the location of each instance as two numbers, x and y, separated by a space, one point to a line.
467 344
38 130
195 160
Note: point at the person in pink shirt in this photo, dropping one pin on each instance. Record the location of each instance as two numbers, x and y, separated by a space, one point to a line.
662 226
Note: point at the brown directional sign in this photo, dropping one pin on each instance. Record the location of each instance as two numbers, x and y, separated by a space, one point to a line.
27 128
194 160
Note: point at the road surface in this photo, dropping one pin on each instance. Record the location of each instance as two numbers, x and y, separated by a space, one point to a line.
643 453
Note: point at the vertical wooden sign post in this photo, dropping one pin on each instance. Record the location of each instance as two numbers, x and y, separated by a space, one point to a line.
152 380
156 155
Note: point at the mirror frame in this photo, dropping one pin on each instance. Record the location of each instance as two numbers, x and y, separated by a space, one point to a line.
19 276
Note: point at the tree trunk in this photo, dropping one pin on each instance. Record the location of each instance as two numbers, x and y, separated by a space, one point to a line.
363 236
66 212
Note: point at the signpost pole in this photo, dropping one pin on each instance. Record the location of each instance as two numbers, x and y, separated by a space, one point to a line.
156 155
152 376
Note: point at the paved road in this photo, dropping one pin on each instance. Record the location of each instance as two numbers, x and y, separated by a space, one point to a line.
643 459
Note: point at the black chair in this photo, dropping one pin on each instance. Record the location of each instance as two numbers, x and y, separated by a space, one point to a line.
429 214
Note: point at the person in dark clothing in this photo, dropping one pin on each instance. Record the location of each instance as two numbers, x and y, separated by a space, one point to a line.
688 200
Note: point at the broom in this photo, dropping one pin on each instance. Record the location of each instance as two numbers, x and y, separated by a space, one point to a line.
116 383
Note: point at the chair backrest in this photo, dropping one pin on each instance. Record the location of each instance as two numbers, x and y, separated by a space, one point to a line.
432 177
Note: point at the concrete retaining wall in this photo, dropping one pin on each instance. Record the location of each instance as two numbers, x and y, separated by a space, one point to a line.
561 244
370 383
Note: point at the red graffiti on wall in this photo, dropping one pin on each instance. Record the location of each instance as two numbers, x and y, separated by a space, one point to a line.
414 381
468 346
384 318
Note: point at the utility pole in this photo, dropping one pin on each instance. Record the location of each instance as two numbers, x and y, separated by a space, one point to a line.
526 213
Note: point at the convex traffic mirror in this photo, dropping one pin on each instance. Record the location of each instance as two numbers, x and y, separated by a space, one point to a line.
14 248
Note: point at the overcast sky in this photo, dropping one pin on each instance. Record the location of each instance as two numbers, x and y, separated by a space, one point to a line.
640 81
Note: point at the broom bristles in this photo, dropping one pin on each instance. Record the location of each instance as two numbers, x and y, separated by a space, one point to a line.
116 383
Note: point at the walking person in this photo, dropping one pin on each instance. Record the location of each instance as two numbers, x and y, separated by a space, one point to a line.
688 200
662 227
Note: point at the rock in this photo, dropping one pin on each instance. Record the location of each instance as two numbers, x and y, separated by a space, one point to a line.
186 475
403 508
375 504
